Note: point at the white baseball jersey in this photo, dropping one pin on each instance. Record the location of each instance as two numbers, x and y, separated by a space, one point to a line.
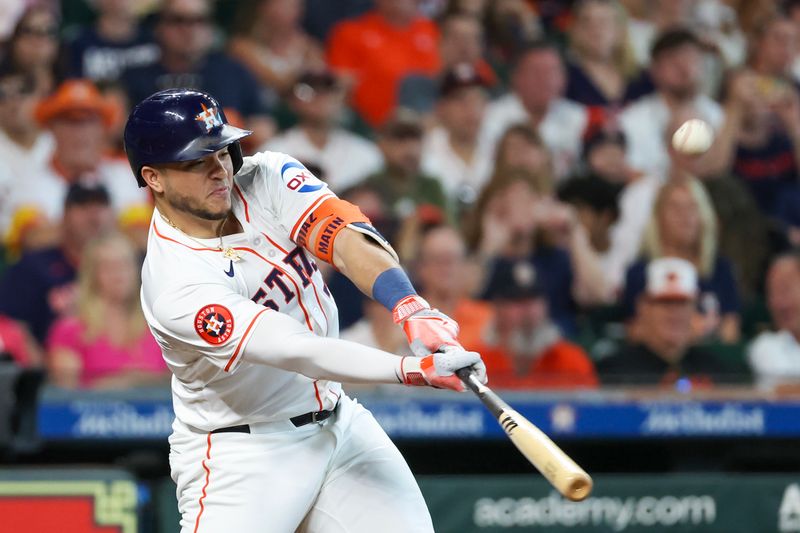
202 306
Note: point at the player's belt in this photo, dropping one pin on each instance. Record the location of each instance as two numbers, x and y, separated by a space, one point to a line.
298 421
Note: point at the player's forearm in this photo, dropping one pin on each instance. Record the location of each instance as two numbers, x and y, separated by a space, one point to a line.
362 261
280 341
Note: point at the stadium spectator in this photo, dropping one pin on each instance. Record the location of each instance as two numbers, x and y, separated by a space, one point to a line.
114 43
683 224
34 47
538 82
521 346
774 356
24 147
667 355
461 42
270 42
444 274
510 25
106 344
516 217
604 156
767 147
676 71
41 282
401 184
601 69
451 150
376 50
521 148
345 158
79 119
597 208
184 33
774 46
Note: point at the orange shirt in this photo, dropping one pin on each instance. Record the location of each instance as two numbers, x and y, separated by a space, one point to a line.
379 55
472 317
562 365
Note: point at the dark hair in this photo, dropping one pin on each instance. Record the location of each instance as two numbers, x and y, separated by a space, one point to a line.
593 192
529 47
671 39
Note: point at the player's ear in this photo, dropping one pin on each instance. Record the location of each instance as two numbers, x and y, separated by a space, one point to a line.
153 178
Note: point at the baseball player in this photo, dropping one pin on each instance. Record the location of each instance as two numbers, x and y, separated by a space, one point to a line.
264 438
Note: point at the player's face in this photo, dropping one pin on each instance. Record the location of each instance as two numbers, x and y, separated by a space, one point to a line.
201 187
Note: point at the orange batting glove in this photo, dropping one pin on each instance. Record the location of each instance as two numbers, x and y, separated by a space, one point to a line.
437 369
427 330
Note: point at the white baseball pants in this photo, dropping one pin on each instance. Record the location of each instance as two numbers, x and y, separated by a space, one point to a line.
341 476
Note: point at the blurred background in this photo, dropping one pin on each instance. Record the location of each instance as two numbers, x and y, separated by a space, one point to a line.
640 304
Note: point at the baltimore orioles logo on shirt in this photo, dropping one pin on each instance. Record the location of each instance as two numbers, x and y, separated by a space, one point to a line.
214 324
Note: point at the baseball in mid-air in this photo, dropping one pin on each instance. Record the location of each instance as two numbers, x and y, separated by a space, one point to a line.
693 137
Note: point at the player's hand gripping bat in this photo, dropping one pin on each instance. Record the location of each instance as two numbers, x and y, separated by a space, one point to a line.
561 471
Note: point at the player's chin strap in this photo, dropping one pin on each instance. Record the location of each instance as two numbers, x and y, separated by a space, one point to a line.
318 232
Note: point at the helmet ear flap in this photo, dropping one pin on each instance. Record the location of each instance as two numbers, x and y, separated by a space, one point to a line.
235 149
139 178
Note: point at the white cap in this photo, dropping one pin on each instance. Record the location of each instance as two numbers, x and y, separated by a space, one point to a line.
671 278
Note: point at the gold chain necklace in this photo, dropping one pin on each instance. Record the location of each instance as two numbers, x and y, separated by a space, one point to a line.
227 252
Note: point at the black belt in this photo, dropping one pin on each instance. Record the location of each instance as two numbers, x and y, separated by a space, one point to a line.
298 421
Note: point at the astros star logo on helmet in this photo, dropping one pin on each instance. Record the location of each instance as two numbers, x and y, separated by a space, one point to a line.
210 116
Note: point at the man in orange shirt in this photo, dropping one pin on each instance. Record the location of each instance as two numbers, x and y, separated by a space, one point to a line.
379 48
522 348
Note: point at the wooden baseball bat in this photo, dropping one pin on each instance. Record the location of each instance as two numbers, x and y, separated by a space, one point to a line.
556 466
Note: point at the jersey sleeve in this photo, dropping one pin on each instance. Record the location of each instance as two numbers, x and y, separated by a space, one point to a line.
209 319
289 189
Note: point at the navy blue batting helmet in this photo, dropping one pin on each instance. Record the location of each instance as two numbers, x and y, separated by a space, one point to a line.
179 125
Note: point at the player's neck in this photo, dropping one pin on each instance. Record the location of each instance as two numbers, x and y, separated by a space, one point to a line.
198 227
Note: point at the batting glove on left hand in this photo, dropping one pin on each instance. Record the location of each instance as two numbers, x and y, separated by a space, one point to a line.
427 330
437 369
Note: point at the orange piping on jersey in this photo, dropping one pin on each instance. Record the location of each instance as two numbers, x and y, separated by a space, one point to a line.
275 244
296 287
313 286
208 473
158 234
246 208
316 393
243 339
303 217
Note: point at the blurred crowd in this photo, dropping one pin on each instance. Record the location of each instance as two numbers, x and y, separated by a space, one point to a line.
517 153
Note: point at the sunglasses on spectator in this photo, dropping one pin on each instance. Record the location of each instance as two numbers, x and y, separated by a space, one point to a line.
185 20
39 31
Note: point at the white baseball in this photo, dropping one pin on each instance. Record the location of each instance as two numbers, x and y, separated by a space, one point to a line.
693 137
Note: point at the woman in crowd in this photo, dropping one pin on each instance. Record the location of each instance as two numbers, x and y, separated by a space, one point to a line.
271 43
34 48
601 68
683 224
517 217
107 345
521 148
